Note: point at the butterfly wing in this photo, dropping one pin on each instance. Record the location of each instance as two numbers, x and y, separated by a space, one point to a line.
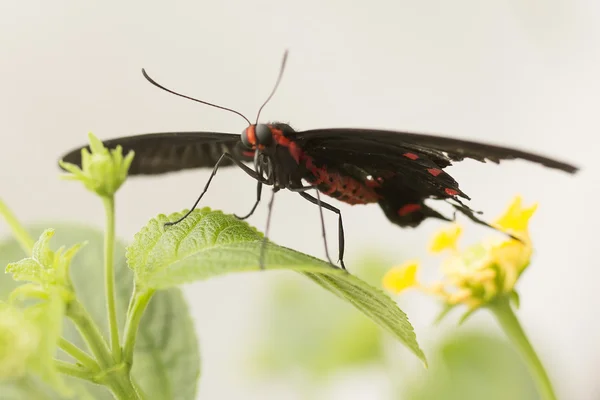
442 150
408 167
159 153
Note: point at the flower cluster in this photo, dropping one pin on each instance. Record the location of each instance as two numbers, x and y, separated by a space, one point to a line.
478 274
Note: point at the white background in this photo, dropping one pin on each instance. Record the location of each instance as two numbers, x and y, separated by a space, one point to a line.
513 72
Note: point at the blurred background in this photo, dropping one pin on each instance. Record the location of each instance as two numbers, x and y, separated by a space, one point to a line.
521 73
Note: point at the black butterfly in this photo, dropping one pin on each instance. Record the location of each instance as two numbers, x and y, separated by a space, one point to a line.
397 170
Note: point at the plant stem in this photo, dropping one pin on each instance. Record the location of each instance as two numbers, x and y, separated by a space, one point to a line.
109 276
124 389
139 302
73 370
90 333
510 324
20 233
79 355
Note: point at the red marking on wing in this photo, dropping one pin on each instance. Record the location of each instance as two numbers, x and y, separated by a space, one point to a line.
408 208
451 192
412 156
248 153
434 171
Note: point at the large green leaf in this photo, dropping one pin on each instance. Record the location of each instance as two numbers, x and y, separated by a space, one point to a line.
171 367
209 243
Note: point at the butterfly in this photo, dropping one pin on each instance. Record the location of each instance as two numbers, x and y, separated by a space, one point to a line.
397 170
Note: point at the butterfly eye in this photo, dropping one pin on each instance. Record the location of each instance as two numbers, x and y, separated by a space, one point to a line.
264 135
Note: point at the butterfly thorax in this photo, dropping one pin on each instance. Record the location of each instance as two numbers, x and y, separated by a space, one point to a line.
294 164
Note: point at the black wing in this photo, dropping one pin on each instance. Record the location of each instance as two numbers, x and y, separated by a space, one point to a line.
408 166
441 150
159 153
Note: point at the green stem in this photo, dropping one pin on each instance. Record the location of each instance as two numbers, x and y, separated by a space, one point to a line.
114 377
90 333
79 355
73 370
138 304
510 324
124 389
20 233
109 276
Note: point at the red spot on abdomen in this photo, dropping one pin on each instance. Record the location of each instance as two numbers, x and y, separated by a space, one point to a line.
434 171
408 208
411 156
451 192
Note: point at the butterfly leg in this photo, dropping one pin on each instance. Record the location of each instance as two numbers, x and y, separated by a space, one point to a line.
263 248
258 194
224 156
341 242
469 213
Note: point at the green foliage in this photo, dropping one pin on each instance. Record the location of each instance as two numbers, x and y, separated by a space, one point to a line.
19 340
166 358
45 267
158 353
155 347
46 271
209 243
47 317
206 244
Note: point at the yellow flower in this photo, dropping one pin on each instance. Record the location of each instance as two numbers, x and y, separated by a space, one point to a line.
446 239
475 275
399 278
516 219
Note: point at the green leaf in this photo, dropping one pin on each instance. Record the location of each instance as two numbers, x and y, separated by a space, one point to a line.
45 266
166 361
175 372
41 249
27 269
19 341
209 243
206 244
515 299
47 316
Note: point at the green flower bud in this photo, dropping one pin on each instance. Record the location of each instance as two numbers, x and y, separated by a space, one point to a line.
102 171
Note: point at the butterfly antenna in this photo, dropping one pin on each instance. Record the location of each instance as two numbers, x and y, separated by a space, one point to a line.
152 81
285 55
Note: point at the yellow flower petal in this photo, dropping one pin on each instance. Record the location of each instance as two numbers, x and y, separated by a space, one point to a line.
400 278
516 218
446 239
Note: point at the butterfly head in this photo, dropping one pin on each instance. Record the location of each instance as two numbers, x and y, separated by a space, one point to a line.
257 136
